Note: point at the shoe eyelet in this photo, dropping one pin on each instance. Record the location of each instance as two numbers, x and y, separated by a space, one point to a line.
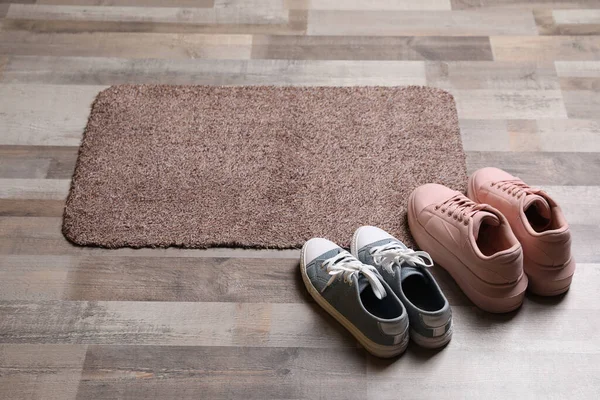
443 210
437 208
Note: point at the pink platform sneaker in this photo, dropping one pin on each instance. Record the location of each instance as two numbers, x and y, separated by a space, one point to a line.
473 242
537 221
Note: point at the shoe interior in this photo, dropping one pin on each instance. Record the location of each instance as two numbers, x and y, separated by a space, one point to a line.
385 308
538 222
492 239
422 293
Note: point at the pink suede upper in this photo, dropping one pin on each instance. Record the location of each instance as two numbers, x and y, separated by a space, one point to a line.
512 197
454 221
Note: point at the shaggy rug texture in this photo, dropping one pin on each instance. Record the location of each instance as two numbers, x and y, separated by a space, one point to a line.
264 167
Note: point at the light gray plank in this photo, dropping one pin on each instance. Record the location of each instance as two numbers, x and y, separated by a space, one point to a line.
536 168
474 375
492 75
509 104
39 189
108 71
577 202
51 372
554 135
414 23
578 69
45 114
576 16
484 135
546 48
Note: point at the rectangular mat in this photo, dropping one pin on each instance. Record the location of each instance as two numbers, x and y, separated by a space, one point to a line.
265 167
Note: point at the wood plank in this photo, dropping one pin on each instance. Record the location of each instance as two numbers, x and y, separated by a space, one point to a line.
31 208
546 48
180 372
171 323
264 280
567 22
484 135
577 202
402 5
274 325
49 372
31 116
52 162
130 3
71 19
35 236
509 104
371 48
42 236
492 75
581 96
471 376
415 23
567 17
38 189
536 168
523 4
578 69
108 71
130 45
194 16
570 135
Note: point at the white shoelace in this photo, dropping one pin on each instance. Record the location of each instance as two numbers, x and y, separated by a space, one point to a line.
345 265
392 254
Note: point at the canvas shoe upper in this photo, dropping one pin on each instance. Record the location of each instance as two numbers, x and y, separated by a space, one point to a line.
473 242
405 272
356 295
537 222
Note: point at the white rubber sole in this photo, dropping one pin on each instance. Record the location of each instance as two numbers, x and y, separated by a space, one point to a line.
423 341
431 343
376 349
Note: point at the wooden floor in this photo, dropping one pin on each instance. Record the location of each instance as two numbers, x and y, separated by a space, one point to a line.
85 323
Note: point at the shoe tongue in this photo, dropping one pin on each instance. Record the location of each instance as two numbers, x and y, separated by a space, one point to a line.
407 271
363 283
481 217
538 202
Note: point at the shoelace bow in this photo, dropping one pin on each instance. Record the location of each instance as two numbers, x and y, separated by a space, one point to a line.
345 265
391 254
460 207
514 187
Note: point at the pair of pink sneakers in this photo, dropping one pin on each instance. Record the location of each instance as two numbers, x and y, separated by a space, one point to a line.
502 238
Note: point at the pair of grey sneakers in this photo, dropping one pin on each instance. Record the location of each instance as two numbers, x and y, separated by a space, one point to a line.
380 291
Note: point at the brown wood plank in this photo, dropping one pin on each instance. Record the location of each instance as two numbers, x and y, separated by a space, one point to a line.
274 325
52 162
40 372
371 48
207 372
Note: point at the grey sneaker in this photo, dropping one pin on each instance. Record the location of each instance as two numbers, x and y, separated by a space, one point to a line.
356 295
405 272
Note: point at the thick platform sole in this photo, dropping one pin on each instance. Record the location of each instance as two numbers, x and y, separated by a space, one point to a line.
489 297
549 281
376 349
543 280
